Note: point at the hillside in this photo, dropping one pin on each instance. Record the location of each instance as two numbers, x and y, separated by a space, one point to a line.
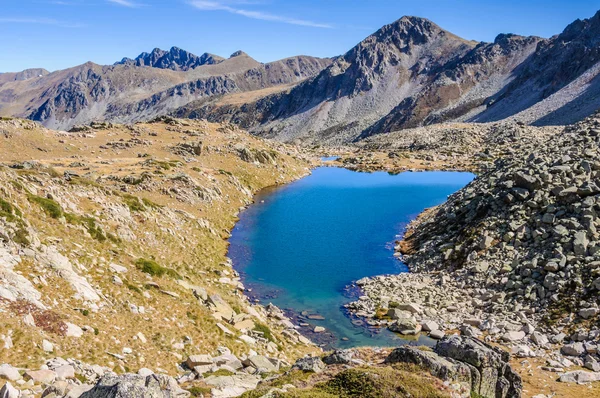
153 84
113 244
413 73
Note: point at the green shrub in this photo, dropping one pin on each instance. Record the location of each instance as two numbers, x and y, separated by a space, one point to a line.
133 202
151 267
50 207
199 391
264 329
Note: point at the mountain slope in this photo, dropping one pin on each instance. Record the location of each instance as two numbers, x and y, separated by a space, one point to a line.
413 73
556 63
132 91
408 73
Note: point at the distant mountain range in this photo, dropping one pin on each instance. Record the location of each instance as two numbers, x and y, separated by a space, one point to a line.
408 73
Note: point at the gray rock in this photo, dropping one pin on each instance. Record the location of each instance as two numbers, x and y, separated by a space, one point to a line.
8 372
8 391
497 379
573 349
343 357
309 364
579 376
135 386
446 369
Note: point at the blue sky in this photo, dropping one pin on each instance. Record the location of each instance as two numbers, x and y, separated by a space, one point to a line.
56 34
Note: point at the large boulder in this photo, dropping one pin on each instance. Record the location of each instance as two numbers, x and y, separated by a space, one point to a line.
131 385
309 364
446 369
496 378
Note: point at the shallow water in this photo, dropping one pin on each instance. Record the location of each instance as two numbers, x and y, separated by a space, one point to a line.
299 246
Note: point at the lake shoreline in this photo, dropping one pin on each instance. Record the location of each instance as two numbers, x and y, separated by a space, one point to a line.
306 325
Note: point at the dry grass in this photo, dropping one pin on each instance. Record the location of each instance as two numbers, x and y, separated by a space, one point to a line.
163 226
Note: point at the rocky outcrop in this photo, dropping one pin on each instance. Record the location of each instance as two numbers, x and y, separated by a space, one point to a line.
470 362
412 73
130 385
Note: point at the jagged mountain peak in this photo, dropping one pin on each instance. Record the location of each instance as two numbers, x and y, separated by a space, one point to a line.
175 58
238 53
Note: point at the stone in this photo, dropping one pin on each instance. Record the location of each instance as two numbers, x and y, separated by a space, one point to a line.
145 372
588 312
513 336
47 346
539 339
225 329
8 372
573 349
261 363
246 324
231 386
497 379
65 372
73 330
397 313
198 360
429 326
131 385
343 357
309 364
406 326
580 243
8 391
221 306
410 307
43 376
437 334
319 329
77 390
579 376
444 368
247 339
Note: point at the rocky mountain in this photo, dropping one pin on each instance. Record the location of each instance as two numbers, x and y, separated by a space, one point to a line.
128 92
23 75
174 59
412 73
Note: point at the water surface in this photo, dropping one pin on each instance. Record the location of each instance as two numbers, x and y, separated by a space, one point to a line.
299 246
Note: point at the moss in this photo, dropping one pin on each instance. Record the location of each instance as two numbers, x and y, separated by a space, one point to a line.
21 237
50 207
150 204
133 288
219 372
151 267
133 202
264 329
113 238
89 223
199 391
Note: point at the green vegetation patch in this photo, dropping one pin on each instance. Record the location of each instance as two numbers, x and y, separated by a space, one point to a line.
151 267
89 223
50 207
369 382
133 202
264 329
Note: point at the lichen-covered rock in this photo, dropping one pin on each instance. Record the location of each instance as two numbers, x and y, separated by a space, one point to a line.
135 386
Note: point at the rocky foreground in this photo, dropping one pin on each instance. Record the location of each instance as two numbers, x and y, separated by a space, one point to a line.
513 258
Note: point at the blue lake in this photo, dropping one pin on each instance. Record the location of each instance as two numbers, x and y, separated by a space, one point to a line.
300 245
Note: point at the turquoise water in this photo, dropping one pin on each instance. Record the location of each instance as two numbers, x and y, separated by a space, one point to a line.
299 246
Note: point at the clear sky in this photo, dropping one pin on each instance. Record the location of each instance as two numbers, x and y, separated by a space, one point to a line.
56 34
